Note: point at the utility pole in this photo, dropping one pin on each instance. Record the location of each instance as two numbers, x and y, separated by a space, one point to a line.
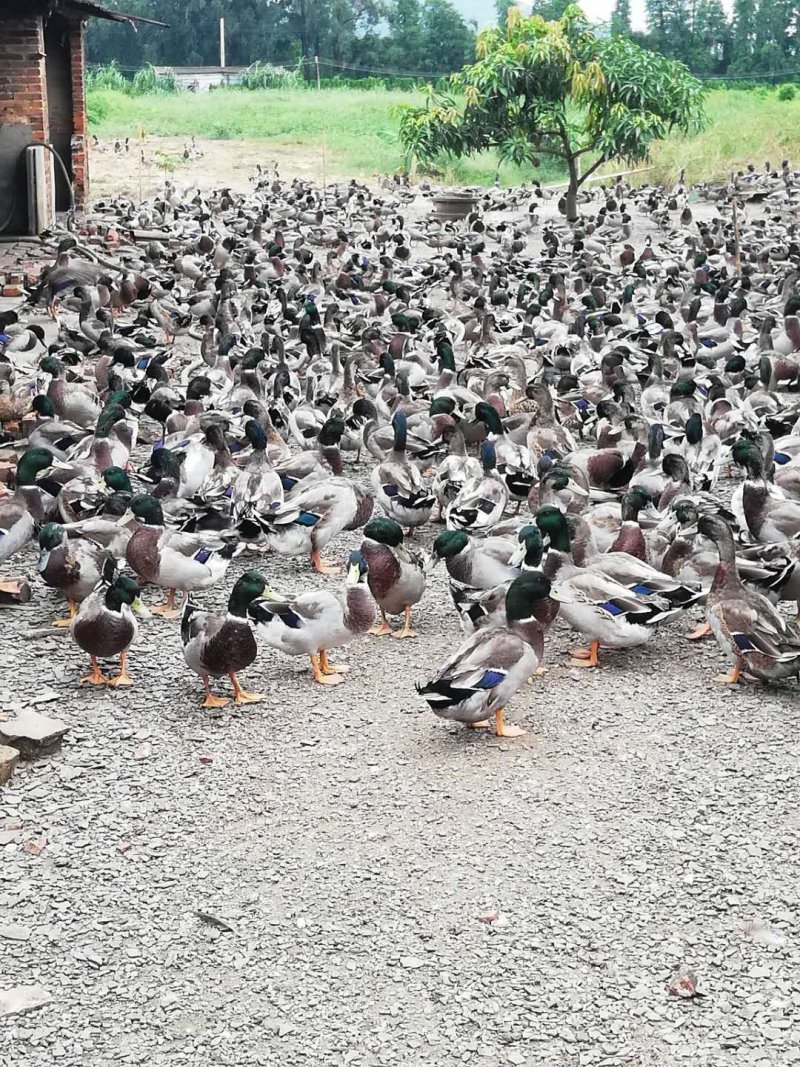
324 135
222 43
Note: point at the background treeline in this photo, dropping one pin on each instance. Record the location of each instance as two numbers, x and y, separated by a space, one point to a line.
418 36
429 37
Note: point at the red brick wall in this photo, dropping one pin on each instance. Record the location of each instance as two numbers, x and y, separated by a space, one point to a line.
23 89
80 153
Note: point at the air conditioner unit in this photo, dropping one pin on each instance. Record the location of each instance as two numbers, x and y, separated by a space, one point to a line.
41 190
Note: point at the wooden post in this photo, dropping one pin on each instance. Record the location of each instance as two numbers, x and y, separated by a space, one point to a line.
222 43
324 134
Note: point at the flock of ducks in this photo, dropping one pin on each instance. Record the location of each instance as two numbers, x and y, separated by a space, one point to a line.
573 420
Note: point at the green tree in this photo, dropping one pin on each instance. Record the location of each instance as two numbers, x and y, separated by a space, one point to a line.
621 19
554 88
449 42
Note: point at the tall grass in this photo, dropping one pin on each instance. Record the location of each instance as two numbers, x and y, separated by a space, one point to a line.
744 126
362 131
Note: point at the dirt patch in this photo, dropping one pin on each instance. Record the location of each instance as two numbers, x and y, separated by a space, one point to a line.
140 170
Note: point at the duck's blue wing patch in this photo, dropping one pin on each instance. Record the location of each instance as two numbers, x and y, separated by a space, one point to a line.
743 642
612 608
490 679
642 589
203 555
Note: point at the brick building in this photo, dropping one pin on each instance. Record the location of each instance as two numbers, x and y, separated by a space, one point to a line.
42 99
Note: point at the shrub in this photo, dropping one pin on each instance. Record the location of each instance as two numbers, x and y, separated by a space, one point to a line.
787 92
146 81
266 76
109 77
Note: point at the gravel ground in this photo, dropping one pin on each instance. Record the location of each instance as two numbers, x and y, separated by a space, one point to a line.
397 889
359 848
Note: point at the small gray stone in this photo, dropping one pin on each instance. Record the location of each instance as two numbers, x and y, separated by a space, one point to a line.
14 932
9 757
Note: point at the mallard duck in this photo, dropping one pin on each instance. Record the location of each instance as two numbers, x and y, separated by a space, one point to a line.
105 624
396 575
766 513
399 487
514 462
86 495
315 622
72 565
598 606
29 504
312 515
487 607
485 672
755 637
477 563
258 487
189 562
70 400
481 503
214 645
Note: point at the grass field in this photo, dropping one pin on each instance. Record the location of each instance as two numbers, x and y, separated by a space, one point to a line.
362 138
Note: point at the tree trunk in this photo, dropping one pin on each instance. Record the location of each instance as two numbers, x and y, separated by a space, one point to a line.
572 190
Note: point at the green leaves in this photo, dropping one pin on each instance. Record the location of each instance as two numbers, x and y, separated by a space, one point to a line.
555 88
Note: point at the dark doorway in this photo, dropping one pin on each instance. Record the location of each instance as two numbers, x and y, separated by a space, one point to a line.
59 100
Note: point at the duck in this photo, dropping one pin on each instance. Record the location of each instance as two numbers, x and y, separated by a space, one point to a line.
175 561
314 622
396 575
481 503
215 645
477 563
514 462
105 624
312 515
30 504
258 487
756 638
399 488
598 606
486 607
72 565
476 683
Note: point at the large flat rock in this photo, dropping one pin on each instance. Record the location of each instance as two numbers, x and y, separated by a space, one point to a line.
22 998
32 734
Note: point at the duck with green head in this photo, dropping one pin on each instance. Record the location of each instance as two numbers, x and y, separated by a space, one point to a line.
514 462
214 645
72 565
598 606
189 562
479 563
28 506
105 624
396 575
478 680
761 507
